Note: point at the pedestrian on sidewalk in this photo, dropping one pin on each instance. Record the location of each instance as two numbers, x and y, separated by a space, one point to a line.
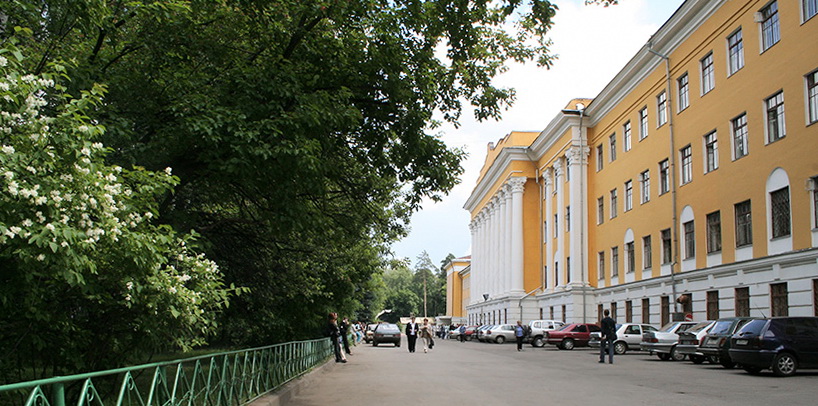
519 334
608 326
412 334
334 336
462 335
344 330
427 334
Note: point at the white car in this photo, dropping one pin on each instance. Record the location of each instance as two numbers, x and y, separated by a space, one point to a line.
663 342
628 337
500 333
539 328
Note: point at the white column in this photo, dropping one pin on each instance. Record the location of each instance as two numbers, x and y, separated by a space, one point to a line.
481 276
502 275
517 277
579 214
559 186
495 247
507 241
549 219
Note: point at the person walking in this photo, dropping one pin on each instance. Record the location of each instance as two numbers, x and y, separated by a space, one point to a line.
343 328
608 326
426 334
519 334
334 333
462 335
412 334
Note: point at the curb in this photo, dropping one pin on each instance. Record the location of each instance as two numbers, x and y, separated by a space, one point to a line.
291 389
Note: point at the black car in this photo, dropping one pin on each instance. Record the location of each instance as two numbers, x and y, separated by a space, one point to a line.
782 344
386 333
716 344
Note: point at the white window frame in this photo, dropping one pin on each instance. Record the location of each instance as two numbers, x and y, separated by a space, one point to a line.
600 210
711 152
683 85
628 195
739 136
647 253
664 177
612 147
735 60
772 21
644 180
686 167
708 73
600 157
643 123
614 202
811 95
626 136
809 9
781 126
661 109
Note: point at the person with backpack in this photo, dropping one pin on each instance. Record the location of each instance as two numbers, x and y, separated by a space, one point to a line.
608 326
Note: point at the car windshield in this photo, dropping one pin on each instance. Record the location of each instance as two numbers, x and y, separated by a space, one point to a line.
565 327
387 328
721 327
753 327
667 328
699 327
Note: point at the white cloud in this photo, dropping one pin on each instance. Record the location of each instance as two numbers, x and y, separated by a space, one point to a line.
593 44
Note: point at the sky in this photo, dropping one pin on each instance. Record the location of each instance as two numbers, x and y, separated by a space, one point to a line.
593 44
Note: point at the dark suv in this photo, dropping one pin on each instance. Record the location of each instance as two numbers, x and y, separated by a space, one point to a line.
783 344
716 343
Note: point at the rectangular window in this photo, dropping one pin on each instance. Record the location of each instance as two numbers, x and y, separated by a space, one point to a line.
643 123
714 232
600 210
735 52
742 302
744 224
556 224
690 240
626 136
628 195
770 33
661 109
815 201
551 312
567 218
815 297
567 269
646 310
613 203
713 305
664 177
601 265
613 310
812 96
708 74
810 8
630 257
614 262
687 164
644 185
564 316
612 143
667 252
647 253
599 310
779 301
740 145
684 91
711 152
776 129
780 211
665 315
599 157
628 311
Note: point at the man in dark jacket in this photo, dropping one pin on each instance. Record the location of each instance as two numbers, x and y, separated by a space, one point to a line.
608 326
344 330
412 333
334 333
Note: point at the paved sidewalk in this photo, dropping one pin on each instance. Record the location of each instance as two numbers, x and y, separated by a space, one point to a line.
462 373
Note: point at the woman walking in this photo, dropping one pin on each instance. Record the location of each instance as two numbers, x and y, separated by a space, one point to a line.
426 334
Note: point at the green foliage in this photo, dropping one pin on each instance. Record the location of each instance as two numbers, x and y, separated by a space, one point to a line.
87 277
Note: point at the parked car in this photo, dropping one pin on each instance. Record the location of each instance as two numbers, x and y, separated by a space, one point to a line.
500 333
572 335
628 337
370 330
689 341
783 344
481 332
663 342
539 328
453 334
470 333
716 344
386 333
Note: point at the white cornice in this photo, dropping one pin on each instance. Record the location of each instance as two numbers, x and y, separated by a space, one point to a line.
688 18
551 134
497 168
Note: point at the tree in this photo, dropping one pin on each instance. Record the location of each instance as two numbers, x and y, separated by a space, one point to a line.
88 279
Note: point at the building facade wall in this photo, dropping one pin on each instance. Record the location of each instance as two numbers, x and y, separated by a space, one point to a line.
597 209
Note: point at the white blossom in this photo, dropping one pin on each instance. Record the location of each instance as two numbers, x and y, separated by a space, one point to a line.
8 149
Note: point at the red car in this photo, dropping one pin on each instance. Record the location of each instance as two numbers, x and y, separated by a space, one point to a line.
471 332
572 335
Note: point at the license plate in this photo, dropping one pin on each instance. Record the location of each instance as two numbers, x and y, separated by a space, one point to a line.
741 342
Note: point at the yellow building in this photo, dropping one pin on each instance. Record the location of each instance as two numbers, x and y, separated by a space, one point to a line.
457 293
687 186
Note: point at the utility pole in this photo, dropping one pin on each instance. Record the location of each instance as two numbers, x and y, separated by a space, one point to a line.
425 314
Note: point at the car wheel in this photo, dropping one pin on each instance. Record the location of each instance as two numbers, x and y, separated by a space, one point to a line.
500 340
663 356
620 347
713 359
374 343
784 364
397 345
697 359
676 355
727 362
568 344
537 342
752 370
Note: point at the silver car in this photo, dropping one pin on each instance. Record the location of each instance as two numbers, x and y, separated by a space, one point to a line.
500 333
628 337
689 341
663 342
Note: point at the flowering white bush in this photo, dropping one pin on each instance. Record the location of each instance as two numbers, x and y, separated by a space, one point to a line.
81 234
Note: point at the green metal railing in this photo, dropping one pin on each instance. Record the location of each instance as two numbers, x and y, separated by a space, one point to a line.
223 379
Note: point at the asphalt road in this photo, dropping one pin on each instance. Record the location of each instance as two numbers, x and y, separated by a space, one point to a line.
456 374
